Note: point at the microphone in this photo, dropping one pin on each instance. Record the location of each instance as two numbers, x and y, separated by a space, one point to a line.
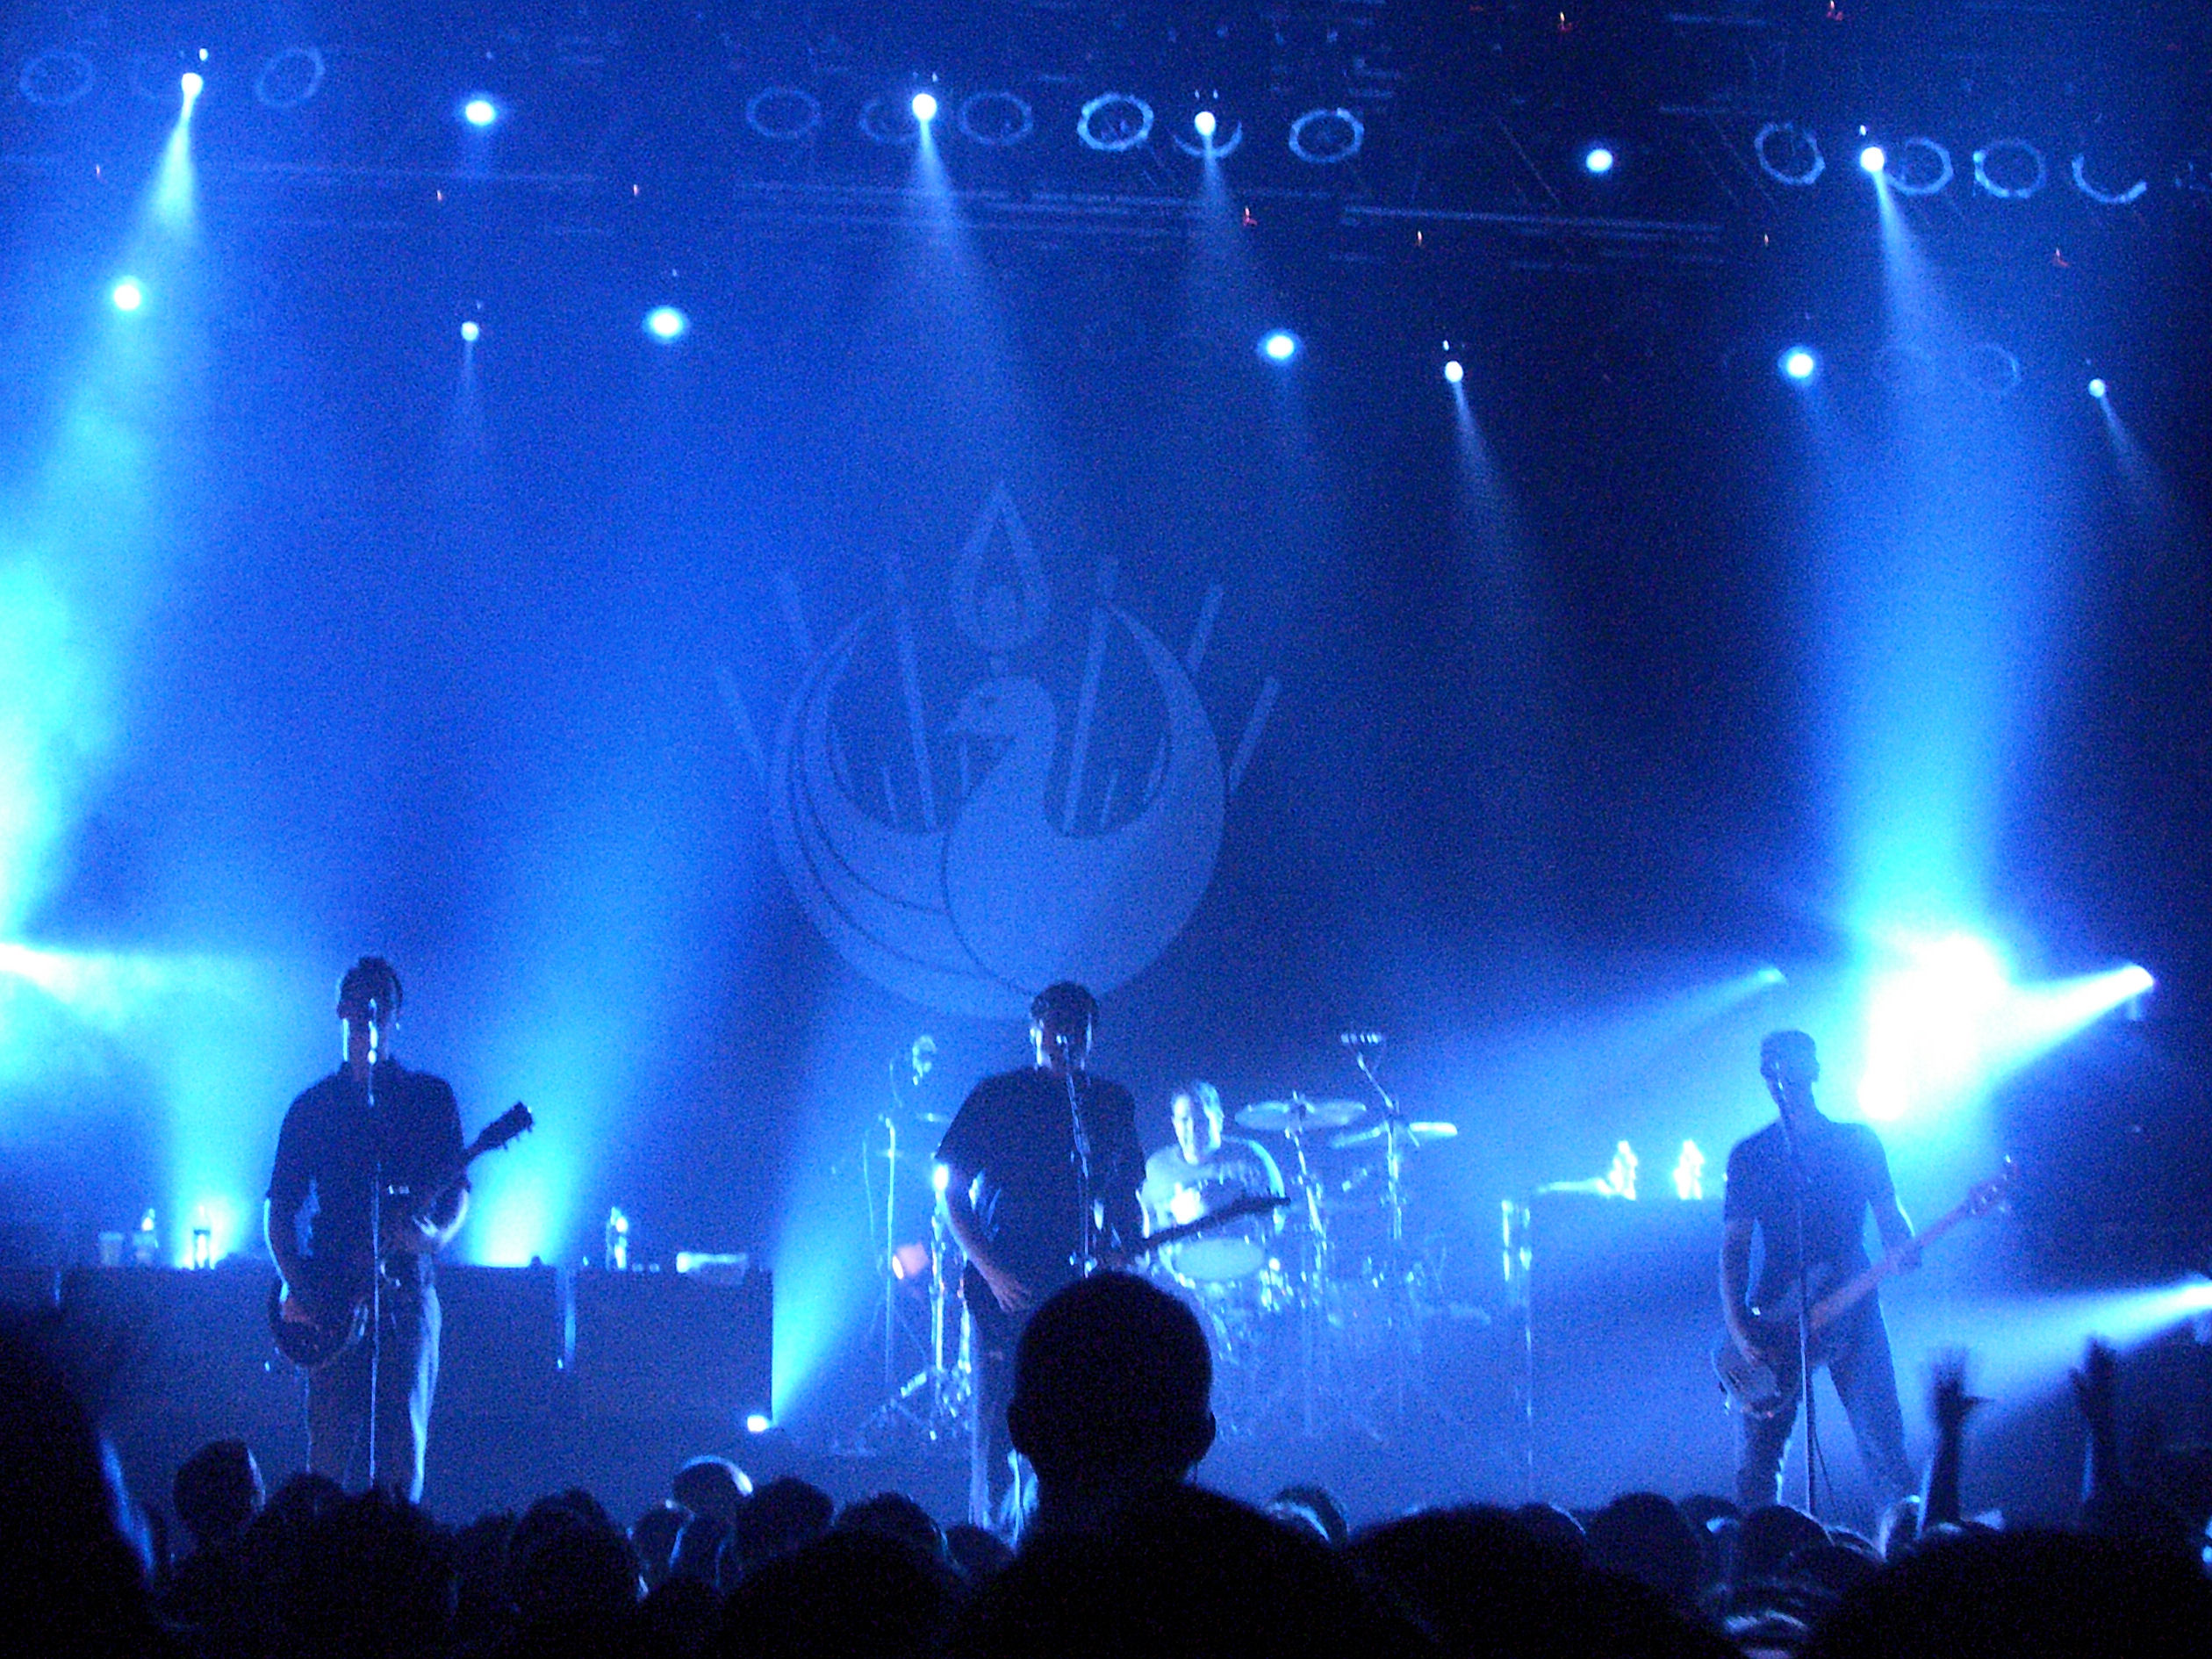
1361 1040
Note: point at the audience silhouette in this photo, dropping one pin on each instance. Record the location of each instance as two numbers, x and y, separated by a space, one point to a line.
1123 1556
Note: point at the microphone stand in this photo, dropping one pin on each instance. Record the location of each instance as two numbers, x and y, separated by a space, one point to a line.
1397 1280
1804 1320
1087 1258
376 1245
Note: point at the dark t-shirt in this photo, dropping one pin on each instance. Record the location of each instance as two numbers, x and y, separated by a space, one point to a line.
327 1152
1015 1132
1845 1170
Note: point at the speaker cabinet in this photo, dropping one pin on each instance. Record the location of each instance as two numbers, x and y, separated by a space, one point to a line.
500 1341
672 1345
1624 1306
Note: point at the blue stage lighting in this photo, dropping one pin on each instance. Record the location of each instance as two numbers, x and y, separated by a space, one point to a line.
127 294
666 324
1800 364
925 107
757 1424
1205 123
1933 1026
470 332
1872 158
1453 372
479 111
193 86
1598 160
1279 345
2097 388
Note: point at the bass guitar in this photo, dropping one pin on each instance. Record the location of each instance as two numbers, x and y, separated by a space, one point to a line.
335 1293
995 1322
1760 1388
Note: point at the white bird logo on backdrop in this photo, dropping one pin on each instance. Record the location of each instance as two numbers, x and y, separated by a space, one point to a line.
972 916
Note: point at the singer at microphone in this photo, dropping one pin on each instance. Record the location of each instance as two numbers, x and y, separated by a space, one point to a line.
1042 1167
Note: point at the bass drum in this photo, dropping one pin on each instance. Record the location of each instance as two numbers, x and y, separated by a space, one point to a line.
1219 1258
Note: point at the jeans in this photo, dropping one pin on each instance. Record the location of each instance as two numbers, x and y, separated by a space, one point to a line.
1858 1362
993 1488
407 1379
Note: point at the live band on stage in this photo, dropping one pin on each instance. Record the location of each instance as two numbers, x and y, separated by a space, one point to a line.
1282 1225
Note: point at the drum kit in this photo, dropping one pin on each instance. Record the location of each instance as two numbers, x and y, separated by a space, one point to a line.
1314 1305
1315 1319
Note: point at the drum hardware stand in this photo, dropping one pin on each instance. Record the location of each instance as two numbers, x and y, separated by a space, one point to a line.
1312 1279
1517 1262
1403 1387
931 1404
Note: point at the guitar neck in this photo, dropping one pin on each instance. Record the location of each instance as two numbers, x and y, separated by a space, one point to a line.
1850 1294
422 1201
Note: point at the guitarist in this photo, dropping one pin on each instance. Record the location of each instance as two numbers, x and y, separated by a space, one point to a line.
371 1114
1807 1170
1016 1200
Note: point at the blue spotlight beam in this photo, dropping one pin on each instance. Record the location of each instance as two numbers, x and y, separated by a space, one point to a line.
1944 1023
80 548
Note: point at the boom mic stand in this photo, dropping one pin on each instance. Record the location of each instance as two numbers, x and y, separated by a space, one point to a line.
1401 1317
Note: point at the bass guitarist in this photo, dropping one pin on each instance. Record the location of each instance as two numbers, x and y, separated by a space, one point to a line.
1039 1164
1804 1184
360 1139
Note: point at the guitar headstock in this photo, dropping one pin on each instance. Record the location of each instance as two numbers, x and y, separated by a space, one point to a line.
513 1122
1992 1192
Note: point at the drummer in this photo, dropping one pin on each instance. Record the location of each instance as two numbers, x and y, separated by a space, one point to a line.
1199 1174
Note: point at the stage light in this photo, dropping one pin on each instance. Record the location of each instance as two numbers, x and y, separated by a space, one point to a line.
1597 160
1114 122
2097 388
756 1423
1872 158
1204 122
925 107
1453 372
940 1176
128 296
666 324
470 332
479 111
2010 169
1323 138
1279 345
1932 1025
193 86
1789 154
996 118
1800 364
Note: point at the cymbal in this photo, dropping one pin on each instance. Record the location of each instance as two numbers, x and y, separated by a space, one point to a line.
1426 1134
1297 1114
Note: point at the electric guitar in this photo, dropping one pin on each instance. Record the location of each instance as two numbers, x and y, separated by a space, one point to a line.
1760 1388
982 1303
335 1292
